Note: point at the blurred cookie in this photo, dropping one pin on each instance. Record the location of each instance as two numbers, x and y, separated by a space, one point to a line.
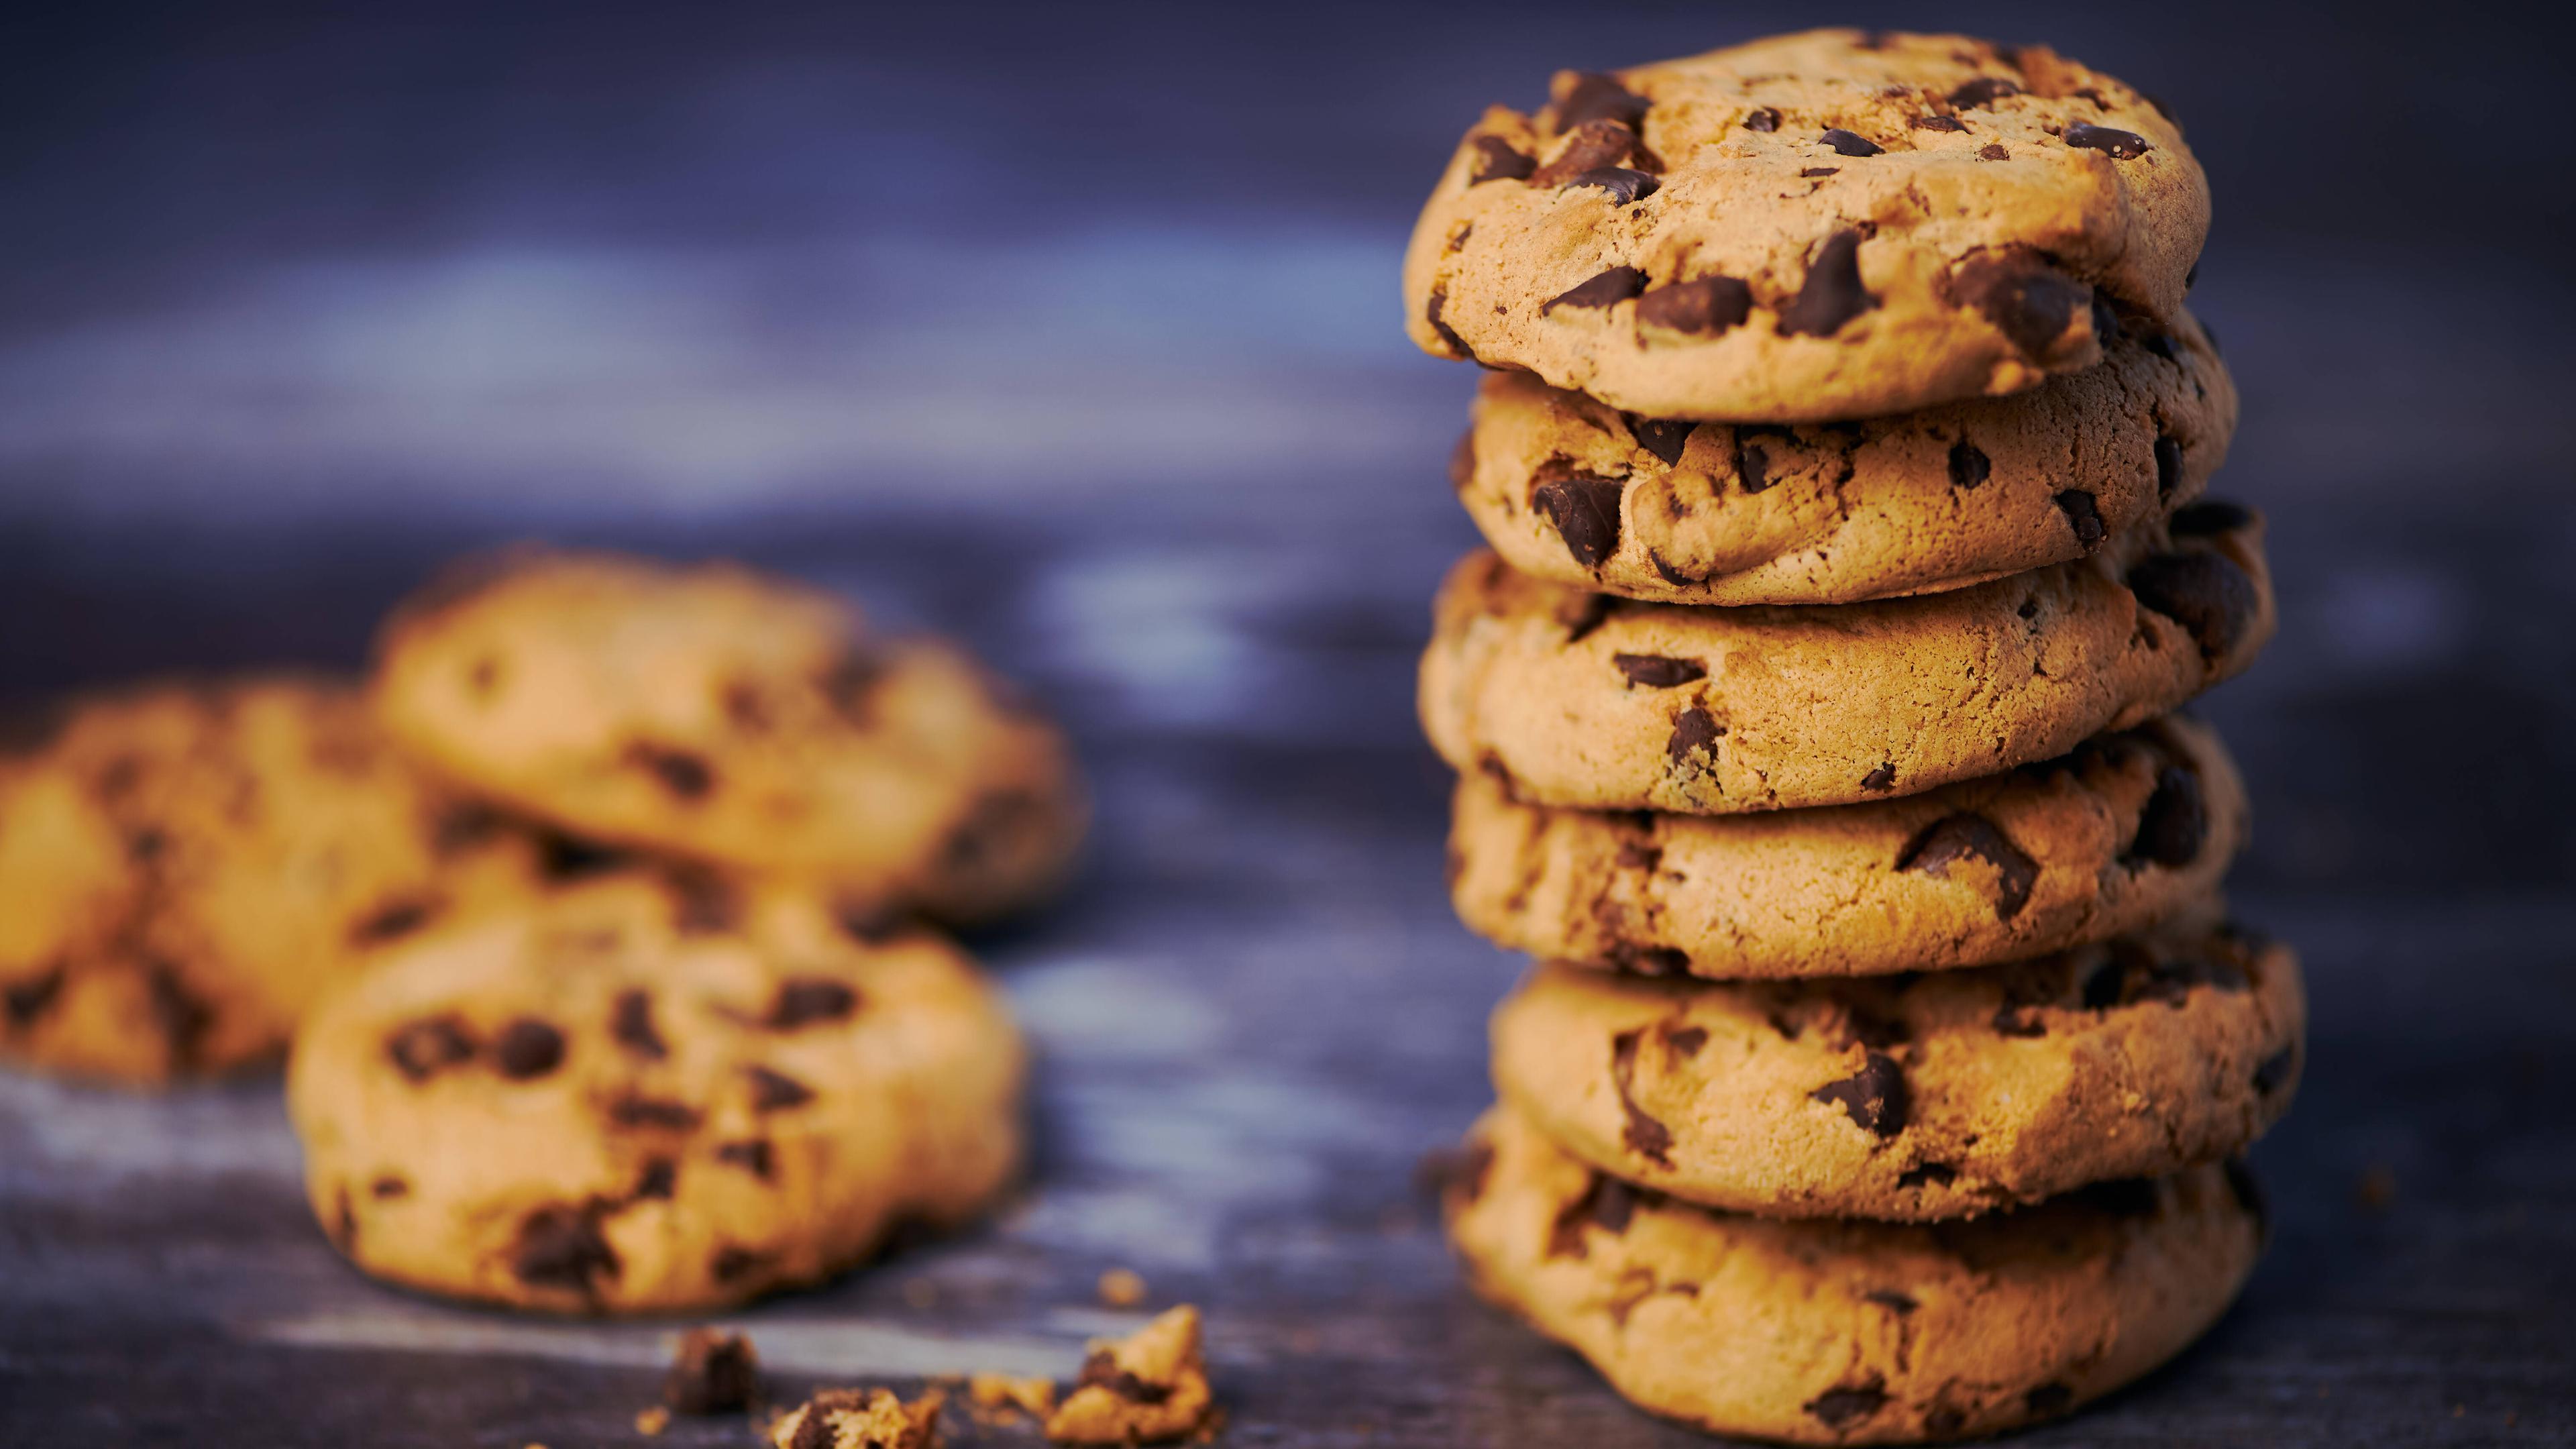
1832 1332
722 715
2130 829
1573 490
629 1097
184 866
1835 224
1587 700
1910 1098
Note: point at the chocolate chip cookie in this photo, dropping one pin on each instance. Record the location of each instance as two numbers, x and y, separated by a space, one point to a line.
185 865
2128 830
1573 490
1825 1332
630 1097
738 719
1911 1098
1828 225
1588 700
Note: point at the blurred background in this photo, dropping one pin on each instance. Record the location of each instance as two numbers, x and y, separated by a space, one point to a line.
1075 331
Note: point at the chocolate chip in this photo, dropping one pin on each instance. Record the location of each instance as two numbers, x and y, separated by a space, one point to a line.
850 684
2128 1197
386 922
806 1000
1599 98
561 858
657 1113
1441 329
1928 1174
2273 1070
660 1177
1969 465
1640 1133
1584 509
773 1091
144 846
387 1188
1666 439
2119 145
1841 1408
1851 143
2083 516
2031 302
713 1373
24 1001
1752 463
1875 1096
702 903
561 1247
1657 671
1832 293
2048 1399
2209 518
731 1264
422 1049
1939 123
1496 160
1462 461
1670 575
1623 185
2204 592
1101 1370
1880 780
1953 838
1685 1041
2174 823
2168 464
870 923
1703 307
1993 151
527 1048
1590 148
2018 1020
1594 612
1613 286
1694 730
1815 171
753 1156
1983 91
1894 1302
630 1024
685 775
182 1016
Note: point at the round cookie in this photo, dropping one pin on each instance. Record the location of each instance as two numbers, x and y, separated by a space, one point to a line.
1831 1332
717 714
1588 700
628 1097
1817 226
1573 490
184 866
1912 1098
2125 832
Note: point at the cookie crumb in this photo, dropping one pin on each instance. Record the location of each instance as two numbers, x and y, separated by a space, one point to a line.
713 1373
860 1419
1001 1392
652 1421
1122 1288
1148 1388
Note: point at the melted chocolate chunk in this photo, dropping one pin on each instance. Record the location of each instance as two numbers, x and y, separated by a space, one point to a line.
1584 509
1685 1041
2084 516
1497 161
562 858
1851 143
2208 519
660 1177
1657 671
702 904
685 775
773 1091
1666 440
2174 823
1752 462
753 1156
561 1247
1875 1096
1703 307
1894 1302
2030 302
391 920
630 1024
388 1188
1595 611
1591 147
870 923
805 1000
2204 592
1985 90
2168 464
1613 286
1762 119
1622 184
1953 838
1832 293
1815 171
1841 1408
1101 1370
24 1001
2274 1070
1969 465
1596 97
527 1048
1441 329
422 1049
182 1016
1640 1133
1648 960
1939 123
1880 780
2118 144
713 1373
1993 151
1694 731
657 1113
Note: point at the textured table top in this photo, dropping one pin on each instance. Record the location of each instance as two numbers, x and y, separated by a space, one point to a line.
291 309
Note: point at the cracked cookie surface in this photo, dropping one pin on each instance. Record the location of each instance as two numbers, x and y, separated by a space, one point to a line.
1913 1098
1825 225
185 866
1588 700
1573 490
1833 1332
2126 831
629 1097
721 715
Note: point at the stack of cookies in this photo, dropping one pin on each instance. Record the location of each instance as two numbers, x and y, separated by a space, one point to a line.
596 921
1814 712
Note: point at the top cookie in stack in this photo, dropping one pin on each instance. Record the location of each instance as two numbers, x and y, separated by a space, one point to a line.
1842 464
